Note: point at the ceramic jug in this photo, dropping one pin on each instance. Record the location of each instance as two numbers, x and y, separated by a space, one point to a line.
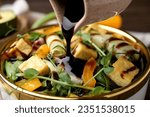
95 10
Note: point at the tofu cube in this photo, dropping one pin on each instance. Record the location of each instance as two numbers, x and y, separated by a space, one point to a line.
37 63
124 72
83 52
23 47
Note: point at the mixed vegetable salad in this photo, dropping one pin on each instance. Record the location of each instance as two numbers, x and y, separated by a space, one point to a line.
37 62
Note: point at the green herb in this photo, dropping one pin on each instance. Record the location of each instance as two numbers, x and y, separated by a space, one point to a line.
105 61
86 38
20 36
30 73
108 70
49 57
103 80
12 69
98 90
35 36
65 77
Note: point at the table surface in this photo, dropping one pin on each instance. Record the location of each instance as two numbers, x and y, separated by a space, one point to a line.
135 18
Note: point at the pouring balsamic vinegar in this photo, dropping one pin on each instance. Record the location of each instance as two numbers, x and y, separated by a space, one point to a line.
74 11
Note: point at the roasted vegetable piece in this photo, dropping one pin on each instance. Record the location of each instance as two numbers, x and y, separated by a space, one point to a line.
43 51
52 30
124 72
88 71
37 63
81 51
75 41
23 47
56 45
29 85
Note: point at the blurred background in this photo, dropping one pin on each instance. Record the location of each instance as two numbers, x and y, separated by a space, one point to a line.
135 18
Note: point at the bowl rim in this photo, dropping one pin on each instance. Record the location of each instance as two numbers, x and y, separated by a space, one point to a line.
120 93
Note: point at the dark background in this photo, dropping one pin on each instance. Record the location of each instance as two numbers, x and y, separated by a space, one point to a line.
135 18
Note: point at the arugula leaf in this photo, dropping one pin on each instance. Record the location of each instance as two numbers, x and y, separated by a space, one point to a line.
63 92
103 80
86 38
35 36
30 73
98 90
65 77
108 70
106 60
12 69
16 65
101 77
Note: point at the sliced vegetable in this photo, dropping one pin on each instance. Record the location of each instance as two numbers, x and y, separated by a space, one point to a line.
52 30
88 72
29 85
43 51
56 45
12 69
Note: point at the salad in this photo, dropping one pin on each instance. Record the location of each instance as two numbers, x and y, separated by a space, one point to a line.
37 62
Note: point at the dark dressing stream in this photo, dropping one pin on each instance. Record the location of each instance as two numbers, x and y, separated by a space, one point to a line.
74 11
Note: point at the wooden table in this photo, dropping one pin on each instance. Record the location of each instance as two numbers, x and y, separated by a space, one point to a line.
135 18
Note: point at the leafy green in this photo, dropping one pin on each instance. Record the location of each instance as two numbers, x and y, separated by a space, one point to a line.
98 90
16 65
12 69
49 57
86 39
20 36
63 89
65 77
35 36
106 60
30 73
103 80
108 70
104 69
